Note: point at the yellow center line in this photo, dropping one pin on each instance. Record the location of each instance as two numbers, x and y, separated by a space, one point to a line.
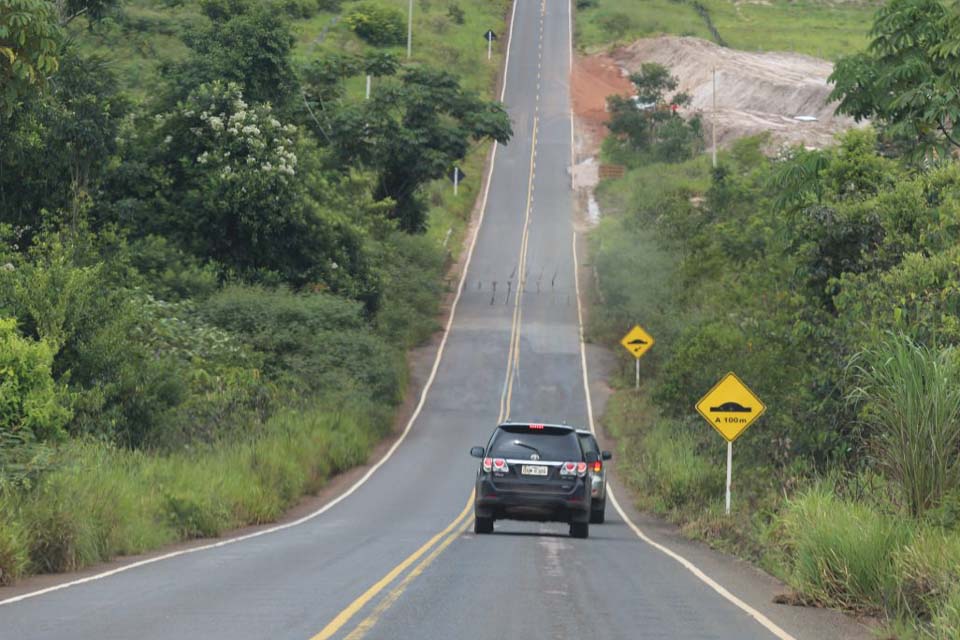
351 610
388 600
459 525
513 355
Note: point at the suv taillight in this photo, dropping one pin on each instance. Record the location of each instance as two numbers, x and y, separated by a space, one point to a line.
578 469
496 465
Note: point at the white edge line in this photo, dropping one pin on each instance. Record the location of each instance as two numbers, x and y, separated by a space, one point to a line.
692 568
359 483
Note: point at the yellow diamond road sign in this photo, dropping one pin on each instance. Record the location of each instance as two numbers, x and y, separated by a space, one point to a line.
637 341
730 407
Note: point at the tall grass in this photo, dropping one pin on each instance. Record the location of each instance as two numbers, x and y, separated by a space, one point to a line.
841 553
100 502
910 399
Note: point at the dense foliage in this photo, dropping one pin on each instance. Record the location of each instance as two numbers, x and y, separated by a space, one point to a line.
223 272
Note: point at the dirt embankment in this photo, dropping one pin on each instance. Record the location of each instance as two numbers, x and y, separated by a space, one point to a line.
756 92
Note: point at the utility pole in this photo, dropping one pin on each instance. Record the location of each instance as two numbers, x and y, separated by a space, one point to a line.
410 30
714 118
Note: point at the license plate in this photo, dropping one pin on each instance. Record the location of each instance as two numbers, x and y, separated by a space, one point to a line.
533 470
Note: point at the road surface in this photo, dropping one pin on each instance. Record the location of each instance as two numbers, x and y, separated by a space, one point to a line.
393 559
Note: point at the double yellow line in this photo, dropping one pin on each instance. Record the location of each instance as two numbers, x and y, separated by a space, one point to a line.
513 352
436 545
444 538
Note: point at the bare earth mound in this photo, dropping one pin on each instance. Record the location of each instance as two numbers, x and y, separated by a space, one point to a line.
756 92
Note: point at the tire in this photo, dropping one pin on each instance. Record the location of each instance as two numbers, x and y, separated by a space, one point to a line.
483 525
579 529
597 516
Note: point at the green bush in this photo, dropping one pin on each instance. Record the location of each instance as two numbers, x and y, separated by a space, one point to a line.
314 341
32 406
380 26
841 553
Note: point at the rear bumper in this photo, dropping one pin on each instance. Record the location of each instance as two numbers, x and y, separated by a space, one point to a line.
537 506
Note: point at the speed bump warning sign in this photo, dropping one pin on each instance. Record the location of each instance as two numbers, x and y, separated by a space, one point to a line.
730 407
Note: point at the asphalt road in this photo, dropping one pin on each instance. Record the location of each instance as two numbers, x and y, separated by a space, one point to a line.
393 560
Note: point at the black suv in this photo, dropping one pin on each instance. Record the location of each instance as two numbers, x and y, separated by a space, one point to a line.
533 472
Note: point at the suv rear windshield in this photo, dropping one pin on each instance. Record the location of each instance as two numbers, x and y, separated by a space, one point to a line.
520 442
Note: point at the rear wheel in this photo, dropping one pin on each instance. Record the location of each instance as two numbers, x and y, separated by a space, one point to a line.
483 525
579 529
598 514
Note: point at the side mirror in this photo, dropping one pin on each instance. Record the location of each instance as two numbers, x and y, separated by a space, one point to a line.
477 452
590 457
607 455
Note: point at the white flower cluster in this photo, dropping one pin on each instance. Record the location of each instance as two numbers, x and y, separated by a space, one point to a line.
240 135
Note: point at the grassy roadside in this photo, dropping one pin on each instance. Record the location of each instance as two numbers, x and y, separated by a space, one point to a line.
821 29
85 501
836 531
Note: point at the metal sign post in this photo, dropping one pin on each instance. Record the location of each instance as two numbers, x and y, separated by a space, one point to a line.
637 342
490 36
729 472
730 407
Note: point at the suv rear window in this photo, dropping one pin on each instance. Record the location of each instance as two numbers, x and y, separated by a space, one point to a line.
551 444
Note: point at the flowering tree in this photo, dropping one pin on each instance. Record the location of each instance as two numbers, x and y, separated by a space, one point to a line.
233 191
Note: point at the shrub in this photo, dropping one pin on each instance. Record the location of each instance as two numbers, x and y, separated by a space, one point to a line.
315 341
455 13
32 407
841 553
378 25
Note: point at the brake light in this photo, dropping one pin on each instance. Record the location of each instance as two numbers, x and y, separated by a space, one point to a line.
597 466
578 469
536 427
500 465
488 465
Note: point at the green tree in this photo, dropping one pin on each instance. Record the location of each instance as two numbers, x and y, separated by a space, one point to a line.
411 132
30 38
906 80
56 150
649 122
245 43
241 188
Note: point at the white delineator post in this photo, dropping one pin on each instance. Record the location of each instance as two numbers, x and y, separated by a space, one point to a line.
410 30
368 86
729 467
456 179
